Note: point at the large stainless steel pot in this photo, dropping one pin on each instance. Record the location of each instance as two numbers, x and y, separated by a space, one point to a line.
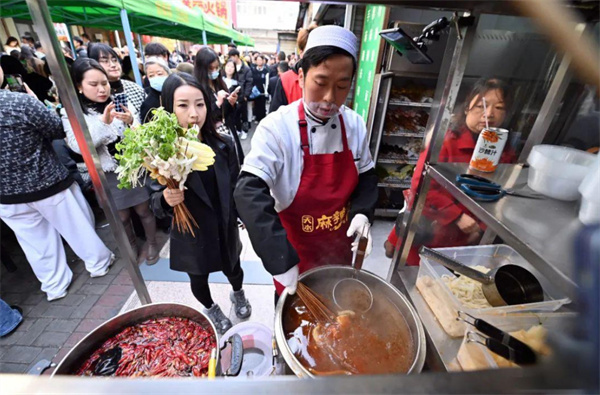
82 350
322 279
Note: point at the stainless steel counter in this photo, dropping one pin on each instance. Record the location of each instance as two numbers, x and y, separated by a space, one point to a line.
542 231
503 381
441 348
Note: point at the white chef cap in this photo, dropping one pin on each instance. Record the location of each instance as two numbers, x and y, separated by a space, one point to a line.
335 36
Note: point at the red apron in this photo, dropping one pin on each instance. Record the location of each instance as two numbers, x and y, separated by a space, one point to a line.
317 220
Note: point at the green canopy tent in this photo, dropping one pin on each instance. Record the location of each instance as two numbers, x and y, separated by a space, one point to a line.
161 18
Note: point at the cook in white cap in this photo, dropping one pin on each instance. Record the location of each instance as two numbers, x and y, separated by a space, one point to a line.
308 186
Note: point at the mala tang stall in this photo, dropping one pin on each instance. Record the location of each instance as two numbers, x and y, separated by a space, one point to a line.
442 320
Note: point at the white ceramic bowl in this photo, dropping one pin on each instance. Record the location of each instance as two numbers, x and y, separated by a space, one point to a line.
557 171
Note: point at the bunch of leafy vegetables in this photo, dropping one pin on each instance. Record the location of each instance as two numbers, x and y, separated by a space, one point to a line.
155 138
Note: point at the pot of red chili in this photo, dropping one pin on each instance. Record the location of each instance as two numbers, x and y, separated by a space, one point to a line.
155 340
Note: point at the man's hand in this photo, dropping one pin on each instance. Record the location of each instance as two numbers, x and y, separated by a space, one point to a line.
360 227
289 279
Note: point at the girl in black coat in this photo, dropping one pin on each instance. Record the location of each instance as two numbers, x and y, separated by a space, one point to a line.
207 70
216 245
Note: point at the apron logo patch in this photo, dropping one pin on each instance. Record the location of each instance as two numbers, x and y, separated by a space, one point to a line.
308 223
331 222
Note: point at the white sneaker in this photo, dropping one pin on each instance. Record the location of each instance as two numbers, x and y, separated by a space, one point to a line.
244 135
105 271
59 296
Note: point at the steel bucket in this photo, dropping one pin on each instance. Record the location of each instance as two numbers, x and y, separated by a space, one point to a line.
332 274
84 349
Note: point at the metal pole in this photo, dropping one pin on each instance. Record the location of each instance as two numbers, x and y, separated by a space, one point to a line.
132 57
204 40
70 37
118 39
139 38
443 107
452 71
349 17
58 66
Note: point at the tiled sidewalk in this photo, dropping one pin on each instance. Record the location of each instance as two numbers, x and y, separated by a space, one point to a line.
50 329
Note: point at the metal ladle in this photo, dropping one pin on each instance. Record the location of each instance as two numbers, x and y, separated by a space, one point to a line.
348 286
505 285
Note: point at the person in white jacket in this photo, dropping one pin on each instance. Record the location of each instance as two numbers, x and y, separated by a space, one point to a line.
106 126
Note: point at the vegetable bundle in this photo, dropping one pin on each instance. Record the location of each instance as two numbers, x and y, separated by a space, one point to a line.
168 153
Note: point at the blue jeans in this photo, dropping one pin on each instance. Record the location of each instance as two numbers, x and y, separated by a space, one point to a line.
9 318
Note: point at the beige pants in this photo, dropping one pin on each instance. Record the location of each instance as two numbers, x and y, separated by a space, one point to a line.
39 226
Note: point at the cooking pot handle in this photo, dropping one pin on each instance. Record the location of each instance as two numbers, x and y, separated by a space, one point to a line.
237 354
454 265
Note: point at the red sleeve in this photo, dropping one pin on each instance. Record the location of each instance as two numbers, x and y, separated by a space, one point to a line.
393 237
439 206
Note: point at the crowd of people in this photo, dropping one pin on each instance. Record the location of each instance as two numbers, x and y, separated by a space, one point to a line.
48 197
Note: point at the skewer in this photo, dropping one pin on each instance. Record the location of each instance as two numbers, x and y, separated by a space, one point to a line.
316 307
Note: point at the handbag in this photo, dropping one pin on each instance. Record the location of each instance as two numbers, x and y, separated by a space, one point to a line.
220 126
255 93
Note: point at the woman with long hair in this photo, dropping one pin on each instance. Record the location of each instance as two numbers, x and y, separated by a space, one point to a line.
12 44
106 126
207 70
30 62
216 245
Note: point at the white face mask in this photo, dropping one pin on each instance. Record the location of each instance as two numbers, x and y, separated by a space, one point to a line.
156 83
213 75
323 110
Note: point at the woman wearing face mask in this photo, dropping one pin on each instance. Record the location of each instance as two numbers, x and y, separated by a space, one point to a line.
207 71
234 119
216 245
157 72
106 126
308 186
111 62
446 223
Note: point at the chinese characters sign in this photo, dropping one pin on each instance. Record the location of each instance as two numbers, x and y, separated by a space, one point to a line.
325 222
216 8
369 53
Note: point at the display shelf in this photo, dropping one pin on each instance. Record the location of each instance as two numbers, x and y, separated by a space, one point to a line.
402 185
396 102
541 230
414 75
397 161
387 212
404 134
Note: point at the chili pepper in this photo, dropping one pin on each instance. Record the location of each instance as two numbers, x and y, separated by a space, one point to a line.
166 347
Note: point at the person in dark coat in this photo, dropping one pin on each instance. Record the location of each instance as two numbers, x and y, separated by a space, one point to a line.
244 76
282 67
207 70
260 80
216 245
157 71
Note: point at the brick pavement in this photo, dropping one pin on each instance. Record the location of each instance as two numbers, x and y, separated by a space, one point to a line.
50 329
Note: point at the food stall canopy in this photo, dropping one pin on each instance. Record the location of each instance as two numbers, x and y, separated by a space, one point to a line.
160 18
